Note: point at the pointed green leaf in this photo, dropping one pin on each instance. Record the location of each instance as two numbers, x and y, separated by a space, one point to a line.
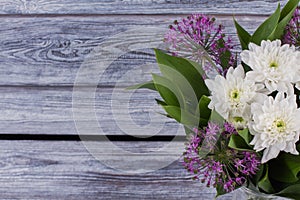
259 175
190 100
245 135
216 117
198 67
185 68
224 56
148 85
220 190
265 183
237 142
285 16
159 102
188 130
285 168
243 35
266 28
288 8
183 116
167 90
204 111
292 191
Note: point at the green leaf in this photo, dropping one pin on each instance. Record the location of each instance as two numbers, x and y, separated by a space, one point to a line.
224 56
148 85
220 190
188 130
186 77
285 168
204 111
243 35
237 142
292 191
198 67
216 117
285 16
185 68
184 117
160 102
245 135
167 90
289 7
259 175
189 98
264 31
265 183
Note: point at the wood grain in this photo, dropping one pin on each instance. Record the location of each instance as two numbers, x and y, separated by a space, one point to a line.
49 51
65 170
44 45
137 6
48 110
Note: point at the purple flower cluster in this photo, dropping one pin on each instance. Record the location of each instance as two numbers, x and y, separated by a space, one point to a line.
229 128
247 164
197 37
211 161
292 31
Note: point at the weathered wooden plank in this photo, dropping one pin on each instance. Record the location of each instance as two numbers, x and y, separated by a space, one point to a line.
51 50
66 170
42 110
137 6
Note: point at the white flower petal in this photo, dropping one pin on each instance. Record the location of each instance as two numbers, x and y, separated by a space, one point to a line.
270 153
291 148
239 72
274 65
231 97
275 125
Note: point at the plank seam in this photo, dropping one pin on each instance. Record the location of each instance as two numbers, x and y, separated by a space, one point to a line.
117 138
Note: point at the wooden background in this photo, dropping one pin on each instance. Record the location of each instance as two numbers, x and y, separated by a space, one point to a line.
43 45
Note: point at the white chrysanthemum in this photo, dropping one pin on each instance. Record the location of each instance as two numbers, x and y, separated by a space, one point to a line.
275 126
231 96
272 64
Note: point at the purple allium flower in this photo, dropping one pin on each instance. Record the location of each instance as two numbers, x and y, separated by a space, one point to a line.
292 30
211 131
211 161
248 164
229 185
229 128
198 36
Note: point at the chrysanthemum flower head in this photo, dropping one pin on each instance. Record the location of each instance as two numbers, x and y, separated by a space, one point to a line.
232 95
276 66
275 126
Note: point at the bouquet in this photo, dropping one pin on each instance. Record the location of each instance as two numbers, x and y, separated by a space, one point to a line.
241 110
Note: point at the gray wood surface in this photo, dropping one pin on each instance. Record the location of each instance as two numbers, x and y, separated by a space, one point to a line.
48 110
48 46
65 170
43 64
136 6
50 50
